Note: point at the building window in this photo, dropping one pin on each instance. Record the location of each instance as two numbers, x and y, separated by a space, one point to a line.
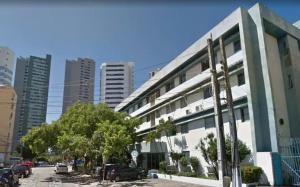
157 113
209 122
173 106
298 41
184 128
182 78
147 118
140 104
204 65
207 92
237 46
241 78
168 109
244 114
170 85
157 93
290 83
183 102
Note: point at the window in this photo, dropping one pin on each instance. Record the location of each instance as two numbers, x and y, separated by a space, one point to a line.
183 102
173 107
298 41
244 114
157 113
168 109
182 78
157 93
140 104
209 122
147 118
184 128
290 83
241 78
207 92
237 46
204 65
169 85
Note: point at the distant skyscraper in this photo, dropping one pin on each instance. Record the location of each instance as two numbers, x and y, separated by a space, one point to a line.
117 82
31 85
6 65
79 82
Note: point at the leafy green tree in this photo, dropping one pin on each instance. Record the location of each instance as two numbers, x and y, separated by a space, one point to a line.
208 147
85 131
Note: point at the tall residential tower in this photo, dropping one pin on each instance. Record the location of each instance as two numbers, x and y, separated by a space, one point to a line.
6 65
79 82
116 82
31 85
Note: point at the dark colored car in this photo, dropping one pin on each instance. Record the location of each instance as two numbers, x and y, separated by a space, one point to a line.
28 166
11 177
3 181
123 173
108 167
21 171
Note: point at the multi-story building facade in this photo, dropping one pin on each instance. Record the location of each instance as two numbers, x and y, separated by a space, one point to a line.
31 85
79 82
263 52
8 100
6 66
117 82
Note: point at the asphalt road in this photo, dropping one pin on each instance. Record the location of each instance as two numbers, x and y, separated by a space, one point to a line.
46 177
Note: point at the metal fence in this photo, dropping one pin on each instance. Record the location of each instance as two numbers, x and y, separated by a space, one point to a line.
290 154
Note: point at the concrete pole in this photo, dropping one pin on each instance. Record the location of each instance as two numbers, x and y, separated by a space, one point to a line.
236 175
218 113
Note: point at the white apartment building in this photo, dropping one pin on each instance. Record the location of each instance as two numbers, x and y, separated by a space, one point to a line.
263 52
117 82
79 82
6 66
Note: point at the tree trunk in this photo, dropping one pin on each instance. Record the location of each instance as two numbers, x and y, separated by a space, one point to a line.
75 168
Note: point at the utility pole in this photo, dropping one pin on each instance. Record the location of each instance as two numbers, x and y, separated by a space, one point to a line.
218 113
235 160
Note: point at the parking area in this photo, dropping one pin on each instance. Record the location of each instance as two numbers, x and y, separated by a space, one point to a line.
46 177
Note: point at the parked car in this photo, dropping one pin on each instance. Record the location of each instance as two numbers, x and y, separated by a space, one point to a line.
12 178
21 171
27 166
3 181
124 172
108 167
61 168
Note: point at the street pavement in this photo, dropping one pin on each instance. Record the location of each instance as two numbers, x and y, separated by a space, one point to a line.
46 177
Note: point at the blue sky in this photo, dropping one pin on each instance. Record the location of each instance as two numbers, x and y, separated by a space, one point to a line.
149 34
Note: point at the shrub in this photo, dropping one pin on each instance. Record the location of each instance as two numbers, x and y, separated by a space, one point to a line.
163 166
250 173
195 163
184 161
187 174
172 170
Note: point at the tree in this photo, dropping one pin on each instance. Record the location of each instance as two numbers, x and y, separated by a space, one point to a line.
82 133
115 137
208 147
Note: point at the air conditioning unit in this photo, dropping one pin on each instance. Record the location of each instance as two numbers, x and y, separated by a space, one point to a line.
199 108
170 118
188 112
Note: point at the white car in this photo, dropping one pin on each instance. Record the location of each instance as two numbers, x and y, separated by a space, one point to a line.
61 168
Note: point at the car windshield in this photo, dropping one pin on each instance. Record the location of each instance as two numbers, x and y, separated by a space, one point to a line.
19 167
2 171
6 170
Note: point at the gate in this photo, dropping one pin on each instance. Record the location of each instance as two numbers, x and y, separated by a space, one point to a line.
290 158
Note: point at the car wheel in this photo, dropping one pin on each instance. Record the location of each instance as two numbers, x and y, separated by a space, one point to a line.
117 178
